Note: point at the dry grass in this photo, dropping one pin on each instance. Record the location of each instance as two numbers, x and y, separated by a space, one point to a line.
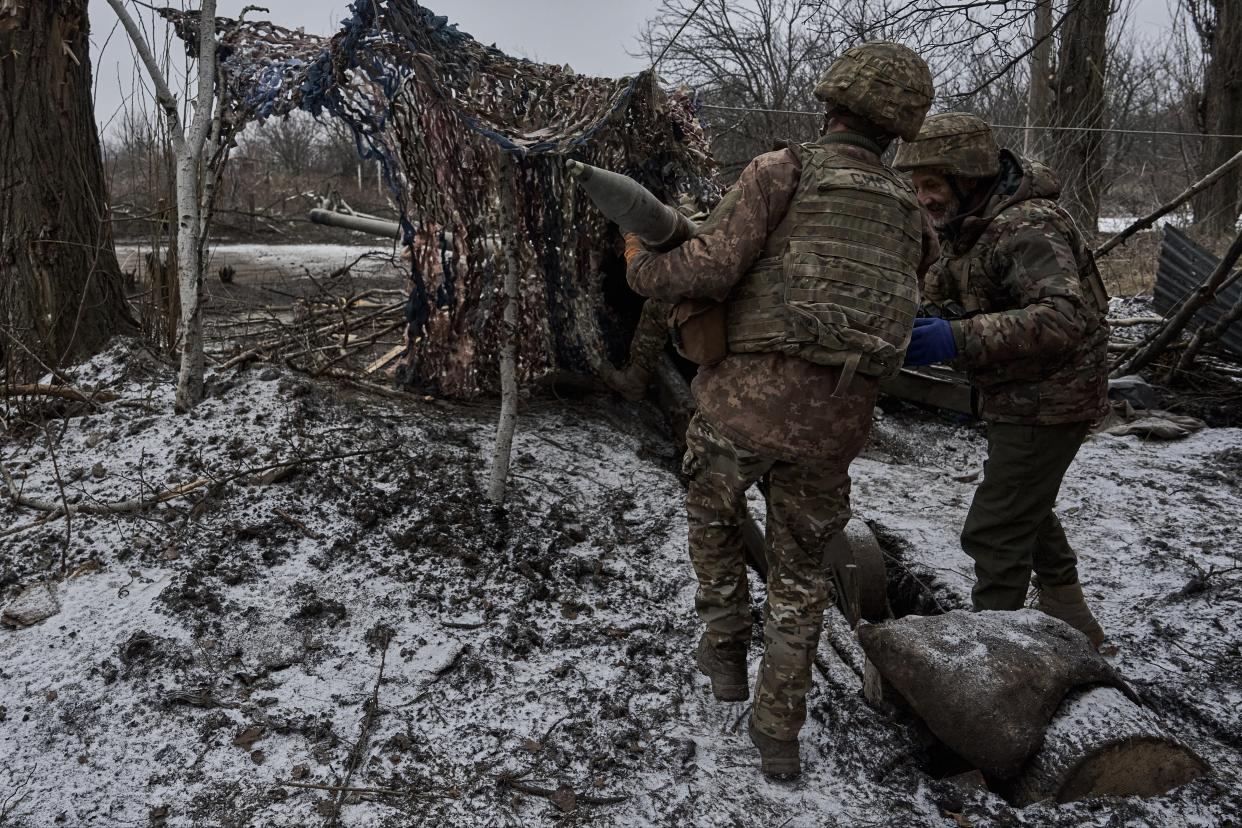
1130 270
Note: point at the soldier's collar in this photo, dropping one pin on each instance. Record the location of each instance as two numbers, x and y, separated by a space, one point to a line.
853 139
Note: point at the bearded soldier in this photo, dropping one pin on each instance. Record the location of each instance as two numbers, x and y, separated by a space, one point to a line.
816 253
1027 322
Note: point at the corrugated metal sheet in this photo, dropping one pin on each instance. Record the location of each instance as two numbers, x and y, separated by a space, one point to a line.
1184 266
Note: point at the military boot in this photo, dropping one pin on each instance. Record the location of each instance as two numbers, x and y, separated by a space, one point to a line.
778 758
726 668
1067 603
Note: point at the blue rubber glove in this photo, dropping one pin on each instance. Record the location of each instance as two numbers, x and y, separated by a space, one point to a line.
931 342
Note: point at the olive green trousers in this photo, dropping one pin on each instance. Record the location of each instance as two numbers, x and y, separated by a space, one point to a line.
1011 529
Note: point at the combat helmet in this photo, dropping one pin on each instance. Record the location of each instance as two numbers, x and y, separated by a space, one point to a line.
886 83
953 143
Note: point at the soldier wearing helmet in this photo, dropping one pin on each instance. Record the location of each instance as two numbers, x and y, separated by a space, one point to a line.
1030 331
816 254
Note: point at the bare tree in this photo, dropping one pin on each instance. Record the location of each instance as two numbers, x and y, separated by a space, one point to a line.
1218 24
1079 107
293 142
1040 93
61 292
194 193
753 60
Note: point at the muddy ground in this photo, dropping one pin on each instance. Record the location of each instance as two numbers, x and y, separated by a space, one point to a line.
341 609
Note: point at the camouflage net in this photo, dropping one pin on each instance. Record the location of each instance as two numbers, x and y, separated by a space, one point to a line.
472 143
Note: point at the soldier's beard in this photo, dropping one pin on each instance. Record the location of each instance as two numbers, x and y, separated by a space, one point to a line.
943 214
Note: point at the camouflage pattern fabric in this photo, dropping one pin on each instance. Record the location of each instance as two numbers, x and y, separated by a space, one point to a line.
1034 340
886 83
807 504
953 143
777 405
837 280
471 143
650 335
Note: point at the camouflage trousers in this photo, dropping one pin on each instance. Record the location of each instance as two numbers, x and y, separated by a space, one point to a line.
807 505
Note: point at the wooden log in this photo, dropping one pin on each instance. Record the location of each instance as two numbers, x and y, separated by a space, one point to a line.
1100 743
880 692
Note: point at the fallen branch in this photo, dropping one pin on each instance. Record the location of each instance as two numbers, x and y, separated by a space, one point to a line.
113 508
1156 344
1128 347
388 357
297 524
534 790
368 722
350 379
64 392
1205 336
139 504
360 344
313 786
1136 320
1168 207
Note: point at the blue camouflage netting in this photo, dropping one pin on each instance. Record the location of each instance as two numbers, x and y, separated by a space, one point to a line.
472 143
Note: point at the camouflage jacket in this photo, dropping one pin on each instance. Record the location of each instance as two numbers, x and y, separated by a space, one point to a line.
776 405
1033 339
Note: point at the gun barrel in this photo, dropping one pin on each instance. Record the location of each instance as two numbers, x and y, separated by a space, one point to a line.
378 227
632 206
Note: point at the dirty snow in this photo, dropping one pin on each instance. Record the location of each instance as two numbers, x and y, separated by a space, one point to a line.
214 650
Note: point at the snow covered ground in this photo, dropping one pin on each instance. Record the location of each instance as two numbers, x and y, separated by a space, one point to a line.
340 609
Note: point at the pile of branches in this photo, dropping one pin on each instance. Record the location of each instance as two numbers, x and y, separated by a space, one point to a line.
472 143
336 329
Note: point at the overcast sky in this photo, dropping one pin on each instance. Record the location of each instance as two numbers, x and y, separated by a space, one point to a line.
592 36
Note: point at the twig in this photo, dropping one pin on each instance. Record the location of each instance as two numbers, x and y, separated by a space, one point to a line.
17 530
139 504
355 754
314 786
350 379
535 790
62 391
60 486
1136 320
297 524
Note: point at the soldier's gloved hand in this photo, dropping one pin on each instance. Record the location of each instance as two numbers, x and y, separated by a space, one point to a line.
931 342
633 244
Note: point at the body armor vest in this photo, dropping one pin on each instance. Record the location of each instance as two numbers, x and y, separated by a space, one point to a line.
837 281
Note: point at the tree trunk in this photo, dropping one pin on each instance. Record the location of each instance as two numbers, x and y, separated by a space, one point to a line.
1079 103
61 293
1216 209
1035 143
508 350
1100 743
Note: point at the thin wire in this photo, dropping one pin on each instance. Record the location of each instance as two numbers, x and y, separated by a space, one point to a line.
999 126
673 39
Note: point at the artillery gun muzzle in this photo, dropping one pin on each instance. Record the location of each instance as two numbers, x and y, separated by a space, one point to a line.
632 206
